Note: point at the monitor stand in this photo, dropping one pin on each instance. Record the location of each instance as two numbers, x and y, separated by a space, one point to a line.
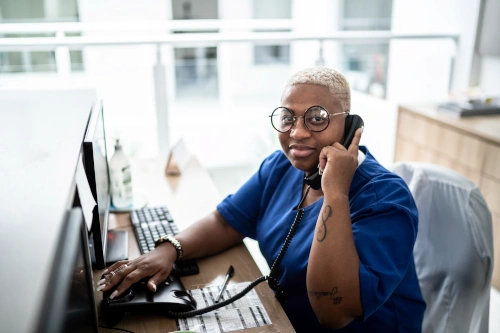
117 246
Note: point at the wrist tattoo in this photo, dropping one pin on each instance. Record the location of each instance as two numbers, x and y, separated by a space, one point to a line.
330 294
327 213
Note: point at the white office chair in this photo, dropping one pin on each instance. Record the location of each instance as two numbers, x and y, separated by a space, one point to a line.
454 248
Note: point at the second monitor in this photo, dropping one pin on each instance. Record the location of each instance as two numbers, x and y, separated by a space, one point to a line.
106 246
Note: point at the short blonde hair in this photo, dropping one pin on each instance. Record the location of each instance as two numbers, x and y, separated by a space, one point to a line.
327 77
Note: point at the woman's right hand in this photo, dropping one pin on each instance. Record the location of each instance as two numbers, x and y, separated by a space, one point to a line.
156 264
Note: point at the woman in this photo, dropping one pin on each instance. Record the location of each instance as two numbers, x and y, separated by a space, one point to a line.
350 262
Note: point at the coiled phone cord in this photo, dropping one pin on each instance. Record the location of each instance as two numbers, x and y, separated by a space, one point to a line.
192 313
273 282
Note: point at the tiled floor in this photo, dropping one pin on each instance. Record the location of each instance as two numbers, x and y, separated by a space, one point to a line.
228 180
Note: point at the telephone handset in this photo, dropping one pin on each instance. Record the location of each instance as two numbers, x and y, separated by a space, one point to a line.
352 123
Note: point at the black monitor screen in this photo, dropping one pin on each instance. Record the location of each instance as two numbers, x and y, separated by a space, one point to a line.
97 170
80 310
70 303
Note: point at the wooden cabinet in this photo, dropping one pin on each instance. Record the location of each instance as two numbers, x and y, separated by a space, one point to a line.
470 146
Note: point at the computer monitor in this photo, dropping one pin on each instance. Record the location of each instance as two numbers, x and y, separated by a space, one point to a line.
69 301
106 246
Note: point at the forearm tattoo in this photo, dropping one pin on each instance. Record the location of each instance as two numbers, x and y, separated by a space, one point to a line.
330 294
327 213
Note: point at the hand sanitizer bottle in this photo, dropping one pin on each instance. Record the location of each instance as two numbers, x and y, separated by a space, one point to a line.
121 179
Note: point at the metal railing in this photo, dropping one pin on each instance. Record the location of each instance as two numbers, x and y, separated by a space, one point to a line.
195 33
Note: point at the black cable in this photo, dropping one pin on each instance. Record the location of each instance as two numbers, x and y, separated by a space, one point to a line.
272 281
187 314
116 328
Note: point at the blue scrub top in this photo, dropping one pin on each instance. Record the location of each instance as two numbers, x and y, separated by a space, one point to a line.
384 224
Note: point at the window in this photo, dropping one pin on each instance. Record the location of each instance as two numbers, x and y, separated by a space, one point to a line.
366 15
27 61
194 9
37 11
195 67
365 65
271 54
196 72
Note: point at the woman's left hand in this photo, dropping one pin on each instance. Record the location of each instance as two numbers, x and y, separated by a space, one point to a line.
338 165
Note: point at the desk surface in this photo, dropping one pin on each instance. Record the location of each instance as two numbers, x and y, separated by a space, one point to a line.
485 126
189 197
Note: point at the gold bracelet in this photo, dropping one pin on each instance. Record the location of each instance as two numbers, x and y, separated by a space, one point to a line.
173 241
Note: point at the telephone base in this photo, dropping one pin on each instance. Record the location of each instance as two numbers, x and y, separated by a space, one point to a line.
170 295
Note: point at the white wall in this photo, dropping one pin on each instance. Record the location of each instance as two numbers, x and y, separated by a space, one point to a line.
489 78
419 71
379 134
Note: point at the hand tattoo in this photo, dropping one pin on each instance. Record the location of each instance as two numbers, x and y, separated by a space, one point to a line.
330 294
327 213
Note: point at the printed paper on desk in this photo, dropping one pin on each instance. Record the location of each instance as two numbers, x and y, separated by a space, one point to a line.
84 193
247 312
177 159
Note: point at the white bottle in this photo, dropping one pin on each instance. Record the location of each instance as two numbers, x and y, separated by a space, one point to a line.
121 179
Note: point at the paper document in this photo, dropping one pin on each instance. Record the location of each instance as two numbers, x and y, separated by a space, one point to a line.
84 193
247 312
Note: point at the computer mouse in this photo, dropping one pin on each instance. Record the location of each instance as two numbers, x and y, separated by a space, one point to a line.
185 296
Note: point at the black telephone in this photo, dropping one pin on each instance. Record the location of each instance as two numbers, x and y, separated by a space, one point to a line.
352 123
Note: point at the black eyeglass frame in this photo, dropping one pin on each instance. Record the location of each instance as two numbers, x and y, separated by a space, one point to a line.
304 119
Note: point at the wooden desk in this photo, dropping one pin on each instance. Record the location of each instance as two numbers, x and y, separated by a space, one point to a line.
190 197
470 146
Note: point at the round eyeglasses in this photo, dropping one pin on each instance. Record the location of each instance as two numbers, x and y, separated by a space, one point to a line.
316 118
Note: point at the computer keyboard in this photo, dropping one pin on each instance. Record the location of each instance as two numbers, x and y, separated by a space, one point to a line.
151 223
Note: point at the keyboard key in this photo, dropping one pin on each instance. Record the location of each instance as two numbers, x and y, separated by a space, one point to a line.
151 223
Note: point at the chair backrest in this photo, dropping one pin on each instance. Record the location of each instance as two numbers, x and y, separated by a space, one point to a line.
454 248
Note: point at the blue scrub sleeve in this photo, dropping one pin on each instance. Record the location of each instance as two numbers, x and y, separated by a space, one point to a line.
242 209
384 235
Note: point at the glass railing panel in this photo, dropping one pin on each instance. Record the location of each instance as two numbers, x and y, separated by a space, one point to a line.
365 67
226 92
25 60
76 56
196 73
